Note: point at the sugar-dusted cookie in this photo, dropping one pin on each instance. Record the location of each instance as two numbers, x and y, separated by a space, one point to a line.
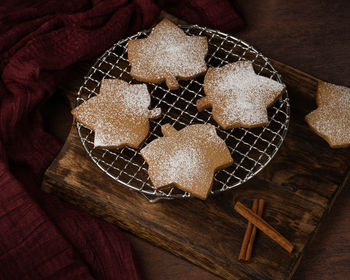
331 120
118 115
238 96
187 158
168 53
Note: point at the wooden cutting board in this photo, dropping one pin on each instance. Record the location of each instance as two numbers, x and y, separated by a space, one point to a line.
299 186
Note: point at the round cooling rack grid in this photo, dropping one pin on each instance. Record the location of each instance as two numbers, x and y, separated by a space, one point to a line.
251 149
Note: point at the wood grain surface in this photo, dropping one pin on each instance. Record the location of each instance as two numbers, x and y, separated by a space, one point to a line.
314 38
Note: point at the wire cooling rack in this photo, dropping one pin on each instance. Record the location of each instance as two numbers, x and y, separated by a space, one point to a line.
251 149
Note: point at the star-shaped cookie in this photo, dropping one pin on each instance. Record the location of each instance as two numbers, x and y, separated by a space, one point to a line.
187 158
331 120
119 115
168 53
238 96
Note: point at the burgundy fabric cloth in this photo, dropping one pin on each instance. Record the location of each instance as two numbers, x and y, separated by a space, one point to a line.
42 237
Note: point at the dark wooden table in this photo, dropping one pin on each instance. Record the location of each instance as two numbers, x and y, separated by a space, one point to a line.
313 36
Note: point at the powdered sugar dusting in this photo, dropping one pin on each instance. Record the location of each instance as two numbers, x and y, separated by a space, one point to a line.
118 115
132 100
332 119
168 51
239 96
136 100
105 135
187 158
182 160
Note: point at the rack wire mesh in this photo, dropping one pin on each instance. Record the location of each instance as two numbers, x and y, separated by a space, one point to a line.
252 149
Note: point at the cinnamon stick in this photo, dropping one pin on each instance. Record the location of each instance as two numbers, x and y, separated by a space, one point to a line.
247 235
263 226
252 236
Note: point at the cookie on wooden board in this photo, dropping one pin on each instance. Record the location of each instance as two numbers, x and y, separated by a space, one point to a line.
238 96
119 115
187 158
331 120
168 53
